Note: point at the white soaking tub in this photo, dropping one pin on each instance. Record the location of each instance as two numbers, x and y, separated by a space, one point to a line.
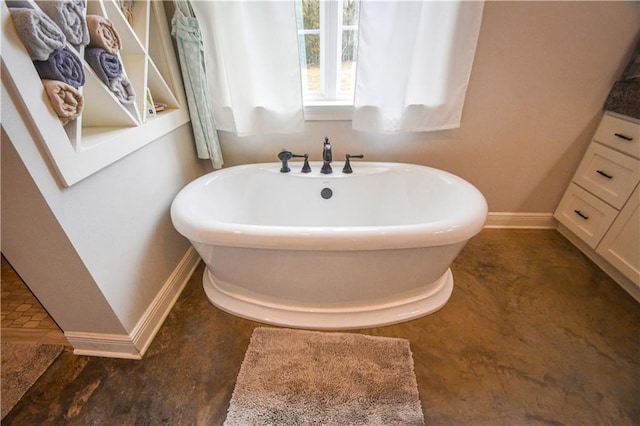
335 251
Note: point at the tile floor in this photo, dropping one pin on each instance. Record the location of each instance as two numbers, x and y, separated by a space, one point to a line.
23 317
534 334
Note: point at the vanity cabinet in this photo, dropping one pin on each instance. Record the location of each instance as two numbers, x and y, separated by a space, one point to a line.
600 210
107 130
621 244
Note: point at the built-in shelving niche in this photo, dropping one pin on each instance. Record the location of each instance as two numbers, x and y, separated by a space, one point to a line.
107 130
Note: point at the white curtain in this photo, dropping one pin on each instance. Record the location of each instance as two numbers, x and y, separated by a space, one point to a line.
414 61
253 70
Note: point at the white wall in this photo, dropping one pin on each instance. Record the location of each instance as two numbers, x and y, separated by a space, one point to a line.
541 74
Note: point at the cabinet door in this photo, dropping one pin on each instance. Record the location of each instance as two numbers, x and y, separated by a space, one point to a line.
621 244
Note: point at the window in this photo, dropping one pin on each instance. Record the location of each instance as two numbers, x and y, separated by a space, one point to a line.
327 41
413 65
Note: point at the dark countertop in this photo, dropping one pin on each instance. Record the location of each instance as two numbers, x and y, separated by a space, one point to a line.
624 98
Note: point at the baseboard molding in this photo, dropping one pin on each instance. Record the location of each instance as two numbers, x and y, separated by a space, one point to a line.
154 317
103 345
134 345
503 220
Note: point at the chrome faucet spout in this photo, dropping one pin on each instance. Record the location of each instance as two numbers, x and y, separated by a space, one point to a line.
327 157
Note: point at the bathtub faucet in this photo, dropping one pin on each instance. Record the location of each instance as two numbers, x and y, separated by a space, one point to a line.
327 158
347 164
285 156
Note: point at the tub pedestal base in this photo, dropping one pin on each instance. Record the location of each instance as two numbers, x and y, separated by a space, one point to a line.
342 317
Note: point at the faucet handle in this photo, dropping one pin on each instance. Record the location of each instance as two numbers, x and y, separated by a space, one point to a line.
347 164
305 167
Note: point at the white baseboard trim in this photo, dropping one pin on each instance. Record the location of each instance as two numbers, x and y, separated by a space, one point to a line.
157 312
102 344
134 345
504 220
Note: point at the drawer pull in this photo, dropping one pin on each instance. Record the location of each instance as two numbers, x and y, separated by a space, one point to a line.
601 173
582 215
621 136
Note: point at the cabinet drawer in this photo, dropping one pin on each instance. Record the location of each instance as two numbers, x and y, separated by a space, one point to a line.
585 215
621 135
608 174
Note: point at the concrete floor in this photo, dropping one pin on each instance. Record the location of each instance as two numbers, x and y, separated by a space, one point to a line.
534 334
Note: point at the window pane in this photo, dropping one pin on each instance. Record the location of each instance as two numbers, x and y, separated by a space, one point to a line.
310 14
350 16
312 62
350 12
308 19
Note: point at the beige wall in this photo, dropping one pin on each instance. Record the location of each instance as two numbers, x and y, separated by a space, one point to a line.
541 74
35 244
98 253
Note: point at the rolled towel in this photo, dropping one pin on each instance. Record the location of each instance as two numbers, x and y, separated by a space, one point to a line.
109 70
103 34
63 65
39 34
70 17
125 7
66 101
123 90
106 66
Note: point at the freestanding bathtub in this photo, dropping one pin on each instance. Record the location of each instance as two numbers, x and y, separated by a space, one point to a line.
332 251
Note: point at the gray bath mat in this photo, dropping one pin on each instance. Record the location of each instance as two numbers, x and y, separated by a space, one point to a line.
22 365
294 377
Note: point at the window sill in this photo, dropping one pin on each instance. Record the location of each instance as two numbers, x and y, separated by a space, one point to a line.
328 111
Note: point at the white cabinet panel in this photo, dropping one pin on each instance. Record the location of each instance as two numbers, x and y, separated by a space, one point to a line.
621 245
